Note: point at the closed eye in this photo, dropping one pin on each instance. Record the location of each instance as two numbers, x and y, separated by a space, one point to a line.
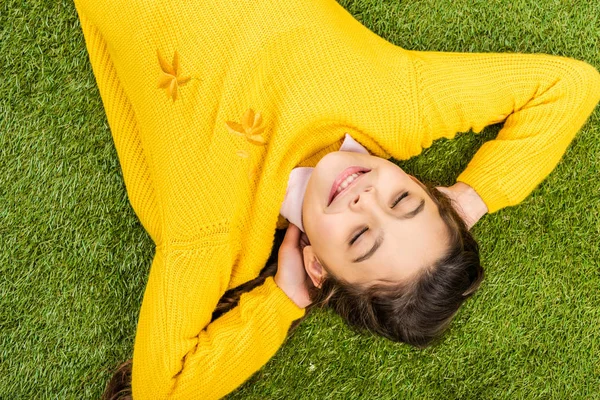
355 238
399 198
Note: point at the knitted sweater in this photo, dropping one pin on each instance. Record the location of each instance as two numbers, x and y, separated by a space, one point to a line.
212 103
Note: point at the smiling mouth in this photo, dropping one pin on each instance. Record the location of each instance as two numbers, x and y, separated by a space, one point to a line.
344 180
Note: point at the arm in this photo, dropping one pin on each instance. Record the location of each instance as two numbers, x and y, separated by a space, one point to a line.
544 100
178 352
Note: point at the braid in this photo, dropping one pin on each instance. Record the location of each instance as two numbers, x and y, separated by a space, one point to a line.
231 297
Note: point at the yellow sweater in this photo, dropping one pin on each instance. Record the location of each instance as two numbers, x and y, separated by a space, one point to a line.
207 177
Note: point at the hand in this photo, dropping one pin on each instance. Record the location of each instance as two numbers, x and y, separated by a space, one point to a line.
466 201
291 276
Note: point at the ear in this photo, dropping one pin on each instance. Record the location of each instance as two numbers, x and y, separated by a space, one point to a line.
313 267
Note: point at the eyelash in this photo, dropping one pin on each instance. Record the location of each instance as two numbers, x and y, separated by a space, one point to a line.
398 200
403 195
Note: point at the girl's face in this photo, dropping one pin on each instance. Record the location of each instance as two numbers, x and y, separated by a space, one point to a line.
368 221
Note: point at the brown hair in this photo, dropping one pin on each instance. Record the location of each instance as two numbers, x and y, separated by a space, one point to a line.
417 312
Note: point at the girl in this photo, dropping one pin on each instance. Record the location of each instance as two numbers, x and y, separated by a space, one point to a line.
215 107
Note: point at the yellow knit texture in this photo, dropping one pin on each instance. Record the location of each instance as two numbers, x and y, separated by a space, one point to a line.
212 103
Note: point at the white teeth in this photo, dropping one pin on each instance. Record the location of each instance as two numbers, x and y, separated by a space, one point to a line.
346 182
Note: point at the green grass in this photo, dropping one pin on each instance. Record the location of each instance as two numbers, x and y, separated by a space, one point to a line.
74 259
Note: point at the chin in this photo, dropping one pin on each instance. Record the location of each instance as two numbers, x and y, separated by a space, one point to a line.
330 159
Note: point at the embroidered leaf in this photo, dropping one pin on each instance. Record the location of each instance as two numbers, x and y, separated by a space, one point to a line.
242 153
250 127
256 139
169 78
175 63
234 128
164 65
173 89
183 80
257 119
248 120
258 131
165 80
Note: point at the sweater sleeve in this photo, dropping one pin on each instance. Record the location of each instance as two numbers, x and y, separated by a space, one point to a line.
125 132
178 352
543 100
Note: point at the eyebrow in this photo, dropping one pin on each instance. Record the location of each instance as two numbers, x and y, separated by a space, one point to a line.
379 240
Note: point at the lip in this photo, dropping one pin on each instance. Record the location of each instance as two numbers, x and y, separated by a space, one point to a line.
340 178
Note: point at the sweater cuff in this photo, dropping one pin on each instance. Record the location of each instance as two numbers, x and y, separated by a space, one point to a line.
487 187
279 301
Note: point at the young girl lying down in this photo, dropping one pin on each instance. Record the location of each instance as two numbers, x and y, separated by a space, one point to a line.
233 119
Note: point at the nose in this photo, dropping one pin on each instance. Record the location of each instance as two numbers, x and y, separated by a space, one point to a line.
363 199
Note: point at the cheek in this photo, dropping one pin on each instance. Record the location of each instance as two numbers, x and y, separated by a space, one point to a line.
326 234
325 229
393 173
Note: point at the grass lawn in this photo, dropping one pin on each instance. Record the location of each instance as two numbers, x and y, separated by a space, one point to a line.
74 259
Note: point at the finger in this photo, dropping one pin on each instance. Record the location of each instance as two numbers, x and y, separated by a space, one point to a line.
304 240
292 235
443 189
